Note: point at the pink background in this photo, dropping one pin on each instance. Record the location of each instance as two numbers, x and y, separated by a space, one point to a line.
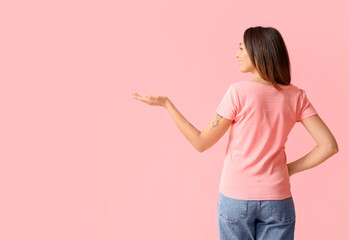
81 159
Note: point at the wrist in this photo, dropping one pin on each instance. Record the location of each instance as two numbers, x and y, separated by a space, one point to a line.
167 103
291 169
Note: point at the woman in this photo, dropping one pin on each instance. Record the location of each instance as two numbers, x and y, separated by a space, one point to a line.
255 200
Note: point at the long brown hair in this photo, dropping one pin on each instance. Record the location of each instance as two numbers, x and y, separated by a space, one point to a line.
268 53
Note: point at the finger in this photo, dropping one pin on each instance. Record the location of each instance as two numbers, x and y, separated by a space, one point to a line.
147 98
137 96
134 95
143 99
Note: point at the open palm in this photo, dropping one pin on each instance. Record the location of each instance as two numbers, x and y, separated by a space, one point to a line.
153 100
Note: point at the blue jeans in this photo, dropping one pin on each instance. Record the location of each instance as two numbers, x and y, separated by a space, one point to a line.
255 219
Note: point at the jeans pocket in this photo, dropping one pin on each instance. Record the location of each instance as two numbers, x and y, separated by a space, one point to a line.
231 209
283 210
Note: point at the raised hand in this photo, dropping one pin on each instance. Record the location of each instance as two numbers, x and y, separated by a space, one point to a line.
153 100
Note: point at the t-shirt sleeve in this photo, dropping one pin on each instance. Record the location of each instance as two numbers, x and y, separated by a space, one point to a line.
228 107
305 108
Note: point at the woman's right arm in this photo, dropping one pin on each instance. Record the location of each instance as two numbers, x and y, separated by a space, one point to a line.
326 145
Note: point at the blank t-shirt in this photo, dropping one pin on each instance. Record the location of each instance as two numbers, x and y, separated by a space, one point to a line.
255 164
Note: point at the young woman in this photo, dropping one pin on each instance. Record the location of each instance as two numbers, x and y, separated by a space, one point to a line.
255 200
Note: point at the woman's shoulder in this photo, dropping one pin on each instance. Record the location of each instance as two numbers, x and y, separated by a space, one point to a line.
245 83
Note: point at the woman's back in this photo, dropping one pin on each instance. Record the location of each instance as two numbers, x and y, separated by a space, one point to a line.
255 166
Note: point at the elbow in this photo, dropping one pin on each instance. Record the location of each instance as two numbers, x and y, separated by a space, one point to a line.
201 149
334 149
330 149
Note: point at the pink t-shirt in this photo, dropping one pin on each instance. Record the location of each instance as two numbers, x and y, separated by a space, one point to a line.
255 164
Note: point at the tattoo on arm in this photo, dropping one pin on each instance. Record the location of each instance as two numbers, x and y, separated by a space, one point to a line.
216 122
